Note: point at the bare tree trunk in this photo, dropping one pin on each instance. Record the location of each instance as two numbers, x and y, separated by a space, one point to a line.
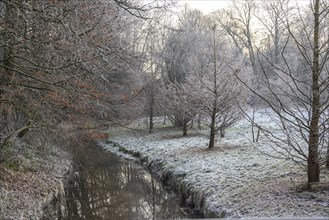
147 123
151 119
313 154
276 41
185 128
152 91
151 110
212 129
222 131
327 158
258 133
252 125
214 109
199 121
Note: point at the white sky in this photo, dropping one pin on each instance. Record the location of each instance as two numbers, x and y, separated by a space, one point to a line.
207 6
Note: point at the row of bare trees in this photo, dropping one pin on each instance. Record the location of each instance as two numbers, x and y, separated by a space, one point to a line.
73 66
68 68
191 79
294 78
272 55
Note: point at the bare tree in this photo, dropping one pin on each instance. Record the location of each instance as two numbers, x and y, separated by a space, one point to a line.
181 50
65 61
182 101
220 90
296 99
237 22
271 19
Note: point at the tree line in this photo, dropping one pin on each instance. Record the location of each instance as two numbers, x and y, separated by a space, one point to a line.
73 68
235 61
68 68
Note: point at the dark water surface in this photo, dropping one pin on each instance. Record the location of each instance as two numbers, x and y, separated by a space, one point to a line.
112 188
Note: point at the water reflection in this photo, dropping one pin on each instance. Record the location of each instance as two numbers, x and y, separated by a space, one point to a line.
117 189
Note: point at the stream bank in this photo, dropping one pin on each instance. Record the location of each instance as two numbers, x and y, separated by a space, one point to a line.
192 198
109 187
31 179
100 185
232 180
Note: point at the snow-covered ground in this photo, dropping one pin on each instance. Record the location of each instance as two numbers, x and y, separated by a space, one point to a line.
234 179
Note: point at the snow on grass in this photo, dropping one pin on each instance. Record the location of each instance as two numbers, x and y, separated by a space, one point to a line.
234 179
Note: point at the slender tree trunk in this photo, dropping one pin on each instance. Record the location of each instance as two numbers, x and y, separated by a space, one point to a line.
313 154
212 129
152 92
151 119
151 110
327 158
258 133
222 131
252 123
214 109
276 41
184 128
252 59
199 121
147 123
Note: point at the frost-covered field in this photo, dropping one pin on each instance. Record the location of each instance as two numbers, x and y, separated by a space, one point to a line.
234 179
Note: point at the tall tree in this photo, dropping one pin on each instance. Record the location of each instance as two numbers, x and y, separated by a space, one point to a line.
219 88
180 51
237 22
313 168
297 99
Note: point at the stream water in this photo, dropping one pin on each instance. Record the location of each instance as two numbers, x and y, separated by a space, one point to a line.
113 188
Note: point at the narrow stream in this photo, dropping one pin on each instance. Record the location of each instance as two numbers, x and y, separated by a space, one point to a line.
113 188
